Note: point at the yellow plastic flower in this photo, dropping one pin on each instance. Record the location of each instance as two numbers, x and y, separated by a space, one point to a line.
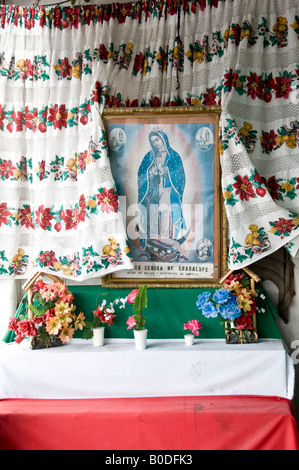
244 303
53 326
80 323
62 308
67 334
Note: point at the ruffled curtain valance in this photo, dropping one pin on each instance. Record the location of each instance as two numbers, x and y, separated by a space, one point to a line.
60 66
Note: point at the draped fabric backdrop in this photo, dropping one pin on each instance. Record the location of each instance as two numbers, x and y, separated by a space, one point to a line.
59 68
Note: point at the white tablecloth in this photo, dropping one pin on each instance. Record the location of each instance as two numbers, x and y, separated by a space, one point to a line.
165 368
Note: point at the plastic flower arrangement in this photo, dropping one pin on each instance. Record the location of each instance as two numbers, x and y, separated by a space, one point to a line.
103 315
53 315
235 302
193 326
138 297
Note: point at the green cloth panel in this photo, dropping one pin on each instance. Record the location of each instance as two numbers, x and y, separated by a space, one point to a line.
167 311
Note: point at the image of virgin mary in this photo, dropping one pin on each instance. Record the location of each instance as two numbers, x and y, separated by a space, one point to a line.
161 184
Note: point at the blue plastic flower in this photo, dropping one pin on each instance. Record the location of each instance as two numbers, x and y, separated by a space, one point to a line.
230 311
203 299
221 296
209 310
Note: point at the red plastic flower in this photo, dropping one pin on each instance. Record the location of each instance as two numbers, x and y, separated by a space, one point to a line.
105 317
108 200
244 188
26 328
244 321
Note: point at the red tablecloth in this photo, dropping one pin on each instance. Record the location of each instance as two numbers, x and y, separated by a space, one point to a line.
174 423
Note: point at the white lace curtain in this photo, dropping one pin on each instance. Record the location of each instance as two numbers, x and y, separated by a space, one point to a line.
60 66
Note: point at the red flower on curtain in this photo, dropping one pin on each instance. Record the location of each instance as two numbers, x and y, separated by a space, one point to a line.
2 117
4 213
7 169
82 208
41 169
108 200
209 98
244 188
48 258
58 116
255 86
72 218
97 93
138 63
26 217
73 14
268 141
18 118
284 226
28 69
282 87
64 67
230 80
43 217
273 187
88 14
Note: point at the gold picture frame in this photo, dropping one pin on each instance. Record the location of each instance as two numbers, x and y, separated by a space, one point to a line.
166 167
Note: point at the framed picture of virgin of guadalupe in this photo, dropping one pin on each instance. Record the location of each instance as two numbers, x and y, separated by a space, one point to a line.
166 168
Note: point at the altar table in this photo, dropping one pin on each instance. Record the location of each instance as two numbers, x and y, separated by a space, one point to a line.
167 368
178 424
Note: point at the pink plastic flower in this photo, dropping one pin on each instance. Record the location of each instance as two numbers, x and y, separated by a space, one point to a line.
131 322
131 296
193 326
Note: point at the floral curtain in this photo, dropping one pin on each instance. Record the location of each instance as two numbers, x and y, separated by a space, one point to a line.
60 66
